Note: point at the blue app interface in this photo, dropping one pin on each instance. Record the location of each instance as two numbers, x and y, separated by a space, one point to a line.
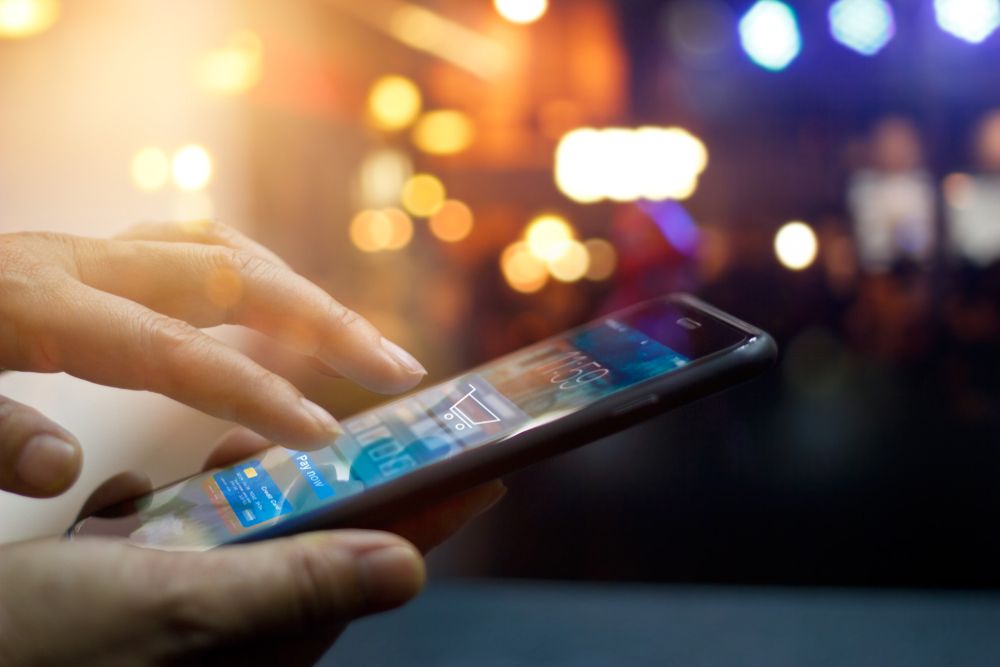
251 493
536 384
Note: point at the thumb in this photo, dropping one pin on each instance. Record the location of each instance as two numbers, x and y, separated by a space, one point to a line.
38 457
321 579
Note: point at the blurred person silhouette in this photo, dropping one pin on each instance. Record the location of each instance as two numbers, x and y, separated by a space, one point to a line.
972 201
892 200
127 312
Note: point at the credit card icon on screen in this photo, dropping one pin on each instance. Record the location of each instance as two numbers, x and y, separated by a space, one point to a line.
252 493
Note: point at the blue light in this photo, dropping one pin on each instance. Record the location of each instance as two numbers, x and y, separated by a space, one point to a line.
971 20
770 34
863 25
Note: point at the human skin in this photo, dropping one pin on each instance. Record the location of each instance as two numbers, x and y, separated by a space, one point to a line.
127 312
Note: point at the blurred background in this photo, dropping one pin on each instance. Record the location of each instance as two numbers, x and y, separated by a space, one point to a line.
829 171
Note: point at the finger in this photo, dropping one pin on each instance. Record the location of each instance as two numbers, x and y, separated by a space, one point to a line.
110 340
207 232
129 605
320 579
210 285
105 499
237 444
429 527
38 458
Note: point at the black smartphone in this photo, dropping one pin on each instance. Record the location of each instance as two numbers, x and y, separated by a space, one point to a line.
547 398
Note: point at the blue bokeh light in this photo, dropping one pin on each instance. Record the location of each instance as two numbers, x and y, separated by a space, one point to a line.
770 35
865 26
971 20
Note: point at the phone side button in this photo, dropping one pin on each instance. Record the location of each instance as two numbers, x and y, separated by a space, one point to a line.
636 404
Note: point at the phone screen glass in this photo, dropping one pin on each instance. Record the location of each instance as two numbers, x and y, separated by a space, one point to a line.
529 387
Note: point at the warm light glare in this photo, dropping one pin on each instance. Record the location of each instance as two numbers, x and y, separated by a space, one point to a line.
401 227
192 168
193 207
434 33
443 132
522 270
603 259
572 264
374 231
382 175
548 237
796 245
24 18
423 195
233 69
624 164
453 222
770 35
521 11
150 169
971 20
863 25
370 231
394 102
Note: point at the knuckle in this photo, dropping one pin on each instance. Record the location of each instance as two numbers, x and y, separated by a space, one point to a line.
166 345
245 263
191 618
343 316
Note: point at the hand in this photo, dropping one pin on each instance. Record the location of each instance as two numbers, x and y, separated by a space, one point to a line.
283 602
126 313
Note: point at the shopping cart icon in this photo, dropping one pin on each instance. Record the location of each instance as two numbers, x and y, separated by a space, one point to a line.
469 412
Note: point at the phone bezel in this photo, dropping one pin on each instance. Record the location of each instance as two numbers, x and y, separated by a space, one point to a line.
750 351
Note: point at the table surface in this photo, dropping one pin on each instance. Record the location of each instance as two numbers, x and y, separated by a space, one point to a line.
507 623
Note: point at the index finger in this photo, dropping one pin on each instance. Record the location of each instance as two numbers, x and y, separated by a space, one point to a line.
209 285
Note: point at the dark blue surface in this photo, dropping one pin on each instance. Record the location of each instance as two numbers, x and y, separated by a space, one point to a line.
503 624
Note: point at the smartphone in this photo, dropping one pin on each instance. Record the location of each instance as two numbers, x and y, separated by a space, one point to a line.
547 398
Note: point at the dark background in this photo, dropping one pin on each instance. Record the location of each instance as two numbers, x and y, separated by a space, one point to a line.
869 456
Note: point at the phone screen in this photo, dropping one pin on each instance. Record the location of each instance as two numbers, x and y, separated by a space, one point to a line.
529 387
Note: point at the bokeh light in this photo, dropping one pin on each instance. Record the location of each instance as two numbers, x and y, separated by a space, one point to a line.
572 264
865 26
423 195
150 169
192 167
401 229
382 175
25 18
444 132
371 231
453 222
623 164
970 20
796 245
522 270
394 102
603 259
548 237
233 69
377 230
770 35
521 11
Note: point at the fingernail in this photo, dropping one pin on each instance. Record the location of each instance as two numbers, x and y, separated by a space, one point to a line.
322 417
403 358
391 575
47 463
